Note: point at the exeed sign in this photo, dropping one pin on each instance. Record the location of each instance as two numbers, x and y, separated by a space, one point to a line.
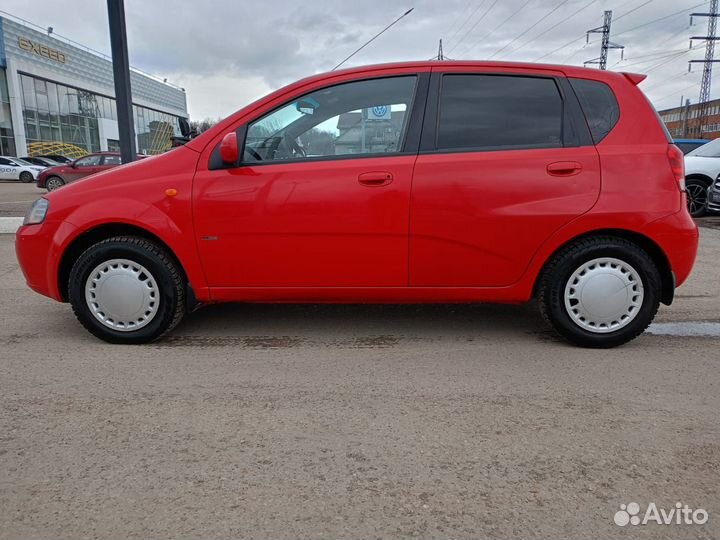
41 50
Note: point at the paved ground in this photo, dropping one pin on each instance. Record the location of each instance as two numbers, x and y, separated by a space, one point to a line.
15 197
353 422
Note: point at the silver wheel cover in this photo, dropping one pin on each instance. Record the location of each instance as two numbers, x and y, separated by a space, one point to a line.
122 295
604 295
53 184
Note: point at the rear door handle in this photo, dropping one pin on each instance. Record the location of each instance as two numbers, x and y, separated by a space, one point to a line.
377 178
564 168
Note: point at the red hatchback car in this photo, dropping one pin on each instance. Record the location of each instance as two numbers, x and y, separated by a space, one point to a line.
55 177
413 182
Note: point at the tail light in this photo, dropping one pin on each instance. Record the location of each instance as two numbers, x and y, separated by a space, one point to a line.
677 165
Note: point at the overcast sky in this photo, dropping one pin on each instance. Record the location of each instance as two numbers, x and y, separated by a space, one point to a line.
227 53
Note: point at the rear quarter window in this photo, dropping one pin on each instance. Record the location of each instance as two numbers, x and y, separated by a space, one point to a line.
599 105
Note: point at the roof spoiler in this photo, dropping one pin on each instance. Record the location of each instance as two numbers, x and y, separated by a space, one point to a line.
635 78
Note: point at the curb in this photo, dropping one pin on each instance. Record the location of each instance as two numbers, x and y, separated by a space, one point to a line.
8 225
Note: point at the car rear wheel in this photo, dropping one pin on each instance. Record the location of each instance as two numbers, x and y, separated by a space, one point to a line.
26 177
127 290
600 292
53 183
697 197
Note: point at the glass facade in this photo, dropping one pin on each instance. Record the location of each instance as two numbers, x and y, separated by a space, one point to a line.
7 141
61 119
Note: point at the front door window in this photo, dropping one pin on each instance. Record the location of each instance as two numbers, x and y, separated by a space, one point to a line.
360 118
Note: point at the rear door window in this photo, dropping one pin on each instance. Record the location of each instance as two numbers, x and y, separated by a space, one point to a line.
599 105
496 112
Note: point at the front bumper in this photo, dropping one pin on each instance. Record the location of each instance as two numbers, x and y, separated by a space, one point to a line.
713 198
39 249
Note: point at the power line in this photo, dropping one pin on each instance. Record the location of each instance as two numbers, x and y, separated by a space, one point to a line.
665 61
565 45
459 17
675 93
659 54
660 82
558 24
561 47
561 4
474 25
659 19
632 10
663 54
479 40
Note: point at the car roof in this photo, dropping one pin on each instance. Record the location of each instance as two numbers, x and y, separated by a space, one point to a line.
570 71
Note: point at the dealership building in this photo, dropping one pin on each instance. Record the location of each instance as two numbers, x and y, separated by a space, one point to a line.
57 97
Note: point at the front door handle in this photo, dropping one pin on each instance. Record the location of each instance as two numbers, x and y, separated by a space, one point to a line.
374 179
564 168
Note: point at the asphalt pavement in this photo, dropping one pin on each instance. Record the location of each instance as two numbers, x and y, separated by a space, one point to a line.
277 421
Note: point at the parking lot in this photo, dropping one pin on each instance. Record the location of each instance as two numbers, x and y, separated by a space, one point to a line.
285 421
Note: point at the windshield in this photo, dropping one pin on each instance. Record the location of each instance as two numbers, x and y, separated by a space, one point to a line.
711 149
23 162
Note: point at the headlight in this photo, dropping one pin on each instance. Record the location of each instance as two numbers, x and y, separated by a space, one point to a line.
37 212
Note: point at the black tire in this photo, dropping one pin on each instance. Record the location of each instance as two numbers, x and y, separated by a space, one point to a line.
558 271
26 177
697 196
53 183
159 263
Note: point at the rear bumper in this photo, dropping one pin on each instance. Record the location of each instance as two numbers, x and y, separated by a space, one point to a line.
677 235
39 249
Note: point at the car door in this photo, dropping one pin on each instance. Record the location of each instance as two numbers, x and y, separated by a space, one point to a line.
82 167
505 161
321 197
8 170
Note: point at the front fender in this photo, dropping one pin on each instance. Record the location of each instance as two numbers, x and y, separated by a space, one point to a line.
169 220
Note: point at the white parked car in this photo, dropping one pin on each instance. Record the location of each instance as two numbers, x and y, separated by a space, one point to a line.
702 167
12 168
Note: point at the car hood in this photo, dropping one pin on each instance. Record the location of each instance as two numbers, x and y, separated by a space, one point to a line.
708 167
57 169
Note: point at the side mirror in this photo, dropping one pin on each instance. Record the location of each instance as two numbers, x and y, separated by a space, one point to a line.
73 164
229 152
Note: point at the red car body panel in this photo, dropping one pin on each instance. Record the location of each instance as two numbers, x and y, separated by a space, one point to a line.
448 227
492 210
310 225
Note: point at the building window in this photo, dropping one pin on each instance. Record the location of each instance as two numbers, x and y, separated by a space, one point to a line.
7 139
64 120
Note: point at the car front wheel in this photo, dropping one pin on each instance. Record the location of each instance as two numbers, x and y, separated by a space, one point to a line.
600 292
53 183
26 177
127 290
